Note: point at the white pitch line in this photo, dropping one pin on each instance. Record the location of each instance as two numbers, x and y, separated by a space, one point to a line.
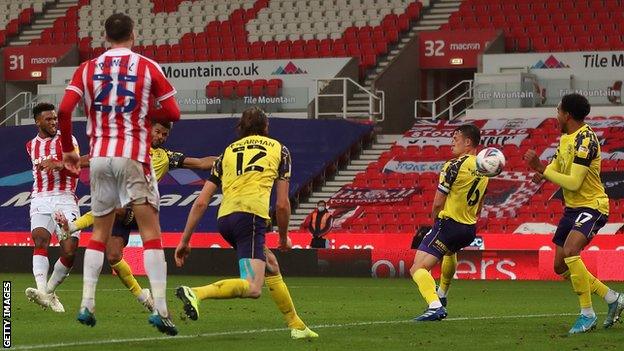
271 330
406 287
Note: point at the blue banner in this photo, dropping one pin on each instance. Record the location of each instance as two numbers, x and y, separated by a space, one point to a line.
314 144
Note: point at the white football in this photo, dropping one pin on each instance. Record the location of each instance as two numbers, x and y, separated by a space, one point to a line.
490 162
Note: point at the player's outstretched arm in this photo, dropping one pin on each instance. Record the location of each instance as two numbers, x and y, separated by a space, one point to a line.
197 211
282 209
204 163
571 182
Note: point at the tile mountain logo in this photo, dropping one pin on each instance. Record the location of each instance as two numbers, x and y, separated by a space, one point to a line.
290 68
550 62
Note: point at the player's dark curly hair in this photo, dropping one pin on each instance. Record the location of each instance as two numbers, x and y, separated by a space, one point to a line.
166 124
253 122
118 27
471 132
576 105
41 107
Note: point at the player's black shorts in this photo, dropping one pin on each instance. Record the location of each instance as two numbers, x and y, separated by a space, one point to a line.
124 225
447 236
245 232
582 219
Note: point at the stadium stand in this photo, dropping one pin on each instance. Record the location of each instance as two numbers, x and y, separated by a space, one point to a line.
546 25
188 31
540 207
16 15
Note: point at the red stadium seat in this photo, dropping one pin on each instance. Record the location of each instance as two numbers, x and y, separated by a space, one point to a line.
270 50
274 87
256 51
243 88
258 87
228 89
283 49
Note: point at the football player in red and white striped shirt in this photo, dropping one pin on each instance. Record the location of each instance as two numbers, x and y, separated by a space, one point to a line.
116 88
53 190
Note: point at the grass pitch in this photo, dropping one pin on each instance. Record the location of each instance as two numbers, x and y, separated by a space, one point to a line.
349 314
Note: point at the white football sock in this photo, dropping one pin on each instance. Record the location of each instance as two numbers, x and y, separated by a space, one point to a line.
611 296
59 274
435 304
156 269
588 312
93 260
40 267
440 292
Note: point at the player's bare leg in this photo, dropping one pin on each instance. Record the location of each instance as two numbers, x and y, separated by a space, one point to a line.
93 261
114 255
420 272
281 296
40 267
155 265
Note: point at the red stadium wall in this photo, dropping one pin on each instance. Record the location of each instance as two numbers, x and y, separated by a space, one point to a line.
493 257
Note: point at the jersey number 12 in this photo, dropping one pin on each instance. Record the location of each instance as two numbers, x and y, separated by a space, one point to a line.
251 166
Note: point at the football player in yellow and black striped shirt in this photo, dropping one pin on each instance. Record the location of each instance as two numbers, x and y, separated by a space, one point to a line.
162 160
456 207
576 168
247 171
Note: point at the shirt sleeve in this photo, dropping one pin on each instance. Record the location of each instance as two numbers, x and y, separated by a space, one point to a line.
77 83
161 88
585 148
283 172
448 175
217 171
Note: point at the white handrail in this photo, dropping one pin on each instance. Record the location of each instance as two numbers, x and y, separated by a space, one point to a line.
434 103
372 98
26 95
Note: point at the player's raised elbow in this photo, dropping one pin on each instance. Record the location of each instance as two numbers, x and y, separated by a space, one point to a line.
200 204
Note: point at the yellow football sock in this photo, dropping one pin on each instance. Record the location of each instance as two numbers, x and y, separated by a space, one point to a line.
84 221
580 280
281 296
596 286
449 264
426 285
125 275
223 289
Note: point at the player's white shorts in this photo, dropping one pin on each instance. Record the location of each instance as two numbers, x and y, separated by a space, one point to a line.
42 209
118 181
